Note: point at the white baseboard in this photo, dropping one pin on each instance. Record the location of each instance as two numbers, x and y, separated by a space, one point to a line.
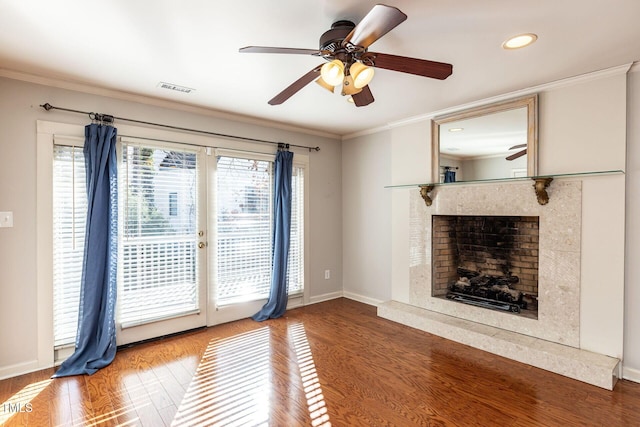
341 294
325 297
363 299
19 369
631 374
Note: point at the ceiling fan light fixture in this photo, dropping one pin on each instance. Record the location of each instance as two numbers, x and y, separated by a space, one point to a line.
519 41
325 85
348 87
333 72
361 74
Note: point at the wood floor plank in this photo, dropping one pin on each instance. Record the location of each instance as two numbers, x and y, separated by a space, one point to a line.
333 363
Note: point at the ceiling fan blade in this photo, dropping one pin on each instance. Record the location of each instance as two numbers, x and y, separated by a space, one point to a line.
294 87
419 67
269 49
362 98
517 146
516 155
378 22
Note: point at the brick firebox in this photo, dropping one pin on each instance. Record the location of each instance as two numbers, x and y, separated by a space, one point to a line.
489 245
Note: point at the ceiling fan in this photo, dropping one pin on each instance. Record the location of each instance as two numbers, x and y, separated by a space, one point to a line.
519 153
349 63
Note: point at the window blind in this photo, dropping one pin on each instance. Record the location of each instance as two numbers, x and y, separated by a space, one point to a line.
158 260
244 228
295 266
69 221
244 215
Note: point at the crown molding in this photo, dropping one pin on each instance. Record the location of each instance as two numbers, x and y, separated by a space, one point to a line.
156 102
569 81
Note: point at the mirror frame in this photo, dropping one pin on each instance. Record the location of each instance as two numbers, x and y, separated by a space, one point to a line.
529 101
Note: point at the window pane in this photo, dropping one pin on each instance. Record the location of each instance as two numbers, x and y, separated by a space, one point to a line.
158 251
69 220
244 228
295 268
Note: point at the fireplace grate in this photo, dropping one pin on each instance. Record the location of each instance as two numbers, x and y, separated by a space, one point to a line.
483 302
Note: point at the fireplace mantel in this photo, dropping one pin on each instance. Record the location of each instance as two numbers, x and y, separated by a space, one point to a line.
540 185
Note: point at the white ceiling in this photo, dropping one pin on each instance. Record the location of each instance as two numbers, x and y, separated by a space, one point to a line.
131 46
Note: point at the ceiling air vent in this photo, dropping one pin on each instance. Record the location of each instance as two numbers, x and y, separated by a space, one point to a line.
177 88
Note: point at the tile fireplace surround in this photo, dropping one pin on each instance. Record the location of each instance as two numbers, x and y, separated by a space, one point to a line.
551 342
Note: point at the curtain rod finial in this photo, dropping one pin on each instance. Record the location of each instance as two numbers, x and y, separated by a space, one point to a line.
47 106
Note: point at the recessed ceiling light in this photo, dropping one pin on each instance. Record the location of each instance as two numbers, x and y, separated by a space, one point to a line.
519 41
456 129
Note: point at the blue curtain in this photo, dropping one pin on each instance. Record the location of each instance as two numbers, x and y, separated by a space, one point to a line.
96 338
449 176
277 302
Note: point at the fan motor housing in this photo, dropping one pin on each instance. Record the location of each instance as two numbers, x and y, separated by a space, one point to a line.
331 40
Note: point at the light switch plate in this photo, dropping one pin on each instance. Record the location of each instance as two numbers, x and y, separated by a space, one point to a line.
6 219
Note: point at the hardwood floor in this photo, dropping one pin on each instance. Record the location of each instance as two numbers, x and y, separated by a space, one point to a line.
329 364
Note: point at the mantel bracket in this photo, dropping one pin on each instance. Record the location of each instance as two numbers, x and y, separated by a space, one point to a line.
540 187
424 192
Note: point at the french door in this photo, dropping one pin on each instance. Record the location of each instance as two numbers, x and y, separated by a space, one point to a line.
194 236
162 260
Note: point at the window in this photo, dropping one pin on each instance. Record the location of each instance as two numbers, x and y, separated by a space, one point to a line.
244 229
295 267
244 218
69 218
158 268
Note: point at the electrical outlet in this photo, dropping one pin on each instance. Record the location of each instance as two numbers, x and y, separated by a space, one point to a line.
327 274
6 219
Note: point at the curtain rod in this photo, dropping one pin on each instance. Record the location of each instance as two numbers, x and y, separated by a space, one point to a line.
106 118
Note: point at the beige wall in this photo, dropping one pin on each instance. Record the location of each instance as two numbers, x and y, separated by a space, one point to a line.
366 241
631 360
19 111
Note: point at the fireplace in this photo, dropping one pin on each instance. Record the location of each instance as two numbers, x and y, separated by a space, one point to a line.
559 254
487 261
551 341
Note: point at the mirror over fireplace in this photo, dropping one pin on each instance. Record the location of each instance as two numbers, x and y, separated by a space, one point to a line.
494 141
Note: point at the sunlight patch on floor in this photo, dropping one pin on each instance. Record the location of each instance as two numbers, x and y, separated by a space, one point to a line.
21 401
231 385
309 375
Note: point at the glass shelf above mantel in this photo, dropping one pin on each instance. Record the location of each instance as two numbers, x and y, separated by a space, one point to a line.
522 178
540 185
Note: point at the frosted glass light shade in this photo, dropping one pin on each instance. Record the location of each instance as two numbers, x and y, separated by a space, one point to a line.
325 85
361 74
333 72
